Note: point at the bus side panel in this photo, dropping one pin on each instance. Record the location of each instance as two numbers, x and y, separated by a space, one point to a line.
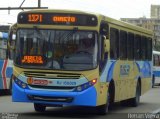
9 72
105 78
145 75
156 73
5 74
124 78
3 80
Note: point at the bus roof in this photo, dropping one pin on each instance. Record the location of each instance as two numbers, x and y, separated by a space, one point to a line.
156 52
127 25
103 17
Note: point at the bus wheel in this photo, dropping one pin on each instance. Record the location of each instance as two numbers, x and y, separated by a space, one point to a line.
135 101
39 107
10 86
153 81
103 109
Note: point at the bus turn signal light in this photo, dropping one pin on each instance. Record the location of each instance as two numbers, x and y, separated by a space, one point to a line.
94 81
29 80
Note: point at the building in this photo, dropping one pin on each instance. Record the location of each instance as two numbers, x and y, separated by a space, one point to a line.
148 23
142 22
155 11
152 23
4 28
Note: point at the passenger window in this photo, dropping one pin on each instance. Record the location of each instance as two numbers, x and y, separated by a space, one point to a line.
123 45
137 47
114 43
130 46
156 60
149 49
3 49
143 48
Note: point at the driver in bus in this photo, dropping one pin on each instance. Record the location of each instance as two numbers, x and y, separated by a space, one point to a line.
86 45
51 63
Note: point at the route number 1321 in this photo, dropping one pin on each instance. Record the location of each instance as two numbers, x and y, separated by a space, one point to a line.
35 18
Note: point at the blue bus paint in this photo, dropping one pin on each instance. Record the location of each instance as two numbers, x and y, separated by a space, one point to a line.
84 98
107 72
156 73
110 72
156 68
6 69
5 35
1 78
144 69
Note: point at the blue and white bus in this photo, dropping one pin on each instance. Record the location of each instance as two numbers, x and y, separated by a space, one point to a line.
156 67
5 64
70 57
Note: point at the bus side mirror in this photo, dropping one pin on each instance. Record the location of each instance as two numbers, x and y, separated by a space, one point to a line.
106 45
11 45
104 29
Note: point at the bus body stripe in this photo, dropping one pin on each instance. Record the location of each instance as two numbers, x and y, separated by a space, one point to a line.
1 78
4 74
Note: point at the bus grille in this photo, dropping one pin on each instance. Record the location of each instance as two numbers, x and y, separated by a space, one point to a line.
52 75
50 99
52 87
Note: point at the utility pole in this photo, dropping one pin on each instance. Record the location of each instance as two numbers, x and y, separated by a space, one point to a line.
22 8
39 3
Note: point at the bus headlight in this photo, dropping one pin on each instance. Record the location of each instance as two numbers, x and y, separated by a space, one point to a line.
85 85
20 83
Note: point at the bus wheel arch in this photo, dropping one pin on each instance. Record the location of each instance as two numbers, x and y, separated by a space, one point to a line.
134 102
111 90
139 81
103 109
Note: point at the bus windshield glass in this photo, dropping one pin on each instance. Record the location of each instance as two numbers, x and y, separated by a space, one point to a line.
56 49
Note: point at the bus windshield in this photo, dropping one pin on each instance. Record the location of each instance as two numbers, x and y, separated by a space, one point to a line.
56 49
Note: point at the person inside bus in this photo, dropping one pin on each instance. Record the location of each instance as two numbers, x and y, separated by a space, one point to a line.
88 48
51 63
86 45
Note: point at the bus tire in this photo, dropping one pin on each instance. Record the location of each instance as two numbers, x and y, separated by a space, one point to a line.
125 102
103 109
10 86
153 81
134 102
39 107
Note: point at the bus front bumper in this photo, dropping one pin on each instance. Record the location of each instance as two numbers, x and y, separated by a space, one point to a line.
87 97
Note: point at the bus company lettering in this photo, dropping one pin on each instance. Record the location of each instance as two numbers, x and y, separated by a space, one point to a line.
64 19
66 83
32 59
40 82
124 69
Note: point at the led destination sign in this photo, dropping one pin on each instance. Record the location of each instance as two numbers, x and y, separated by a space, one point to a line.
64 19
32 60
57 19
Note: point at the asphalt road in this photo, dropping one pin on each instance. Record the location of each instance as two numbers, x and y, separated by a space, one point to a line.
150 102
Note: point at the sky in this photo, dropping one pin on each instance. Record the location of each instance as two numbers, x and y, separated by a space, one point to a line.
113 8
